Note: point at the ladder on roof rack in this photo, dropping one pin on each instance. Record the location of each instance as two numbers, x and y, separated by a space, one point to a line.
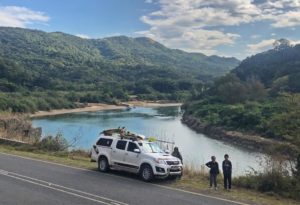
164 144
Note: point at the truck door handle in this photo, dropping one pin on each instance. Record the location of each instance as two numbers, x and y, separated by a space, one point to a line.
114 151
126 153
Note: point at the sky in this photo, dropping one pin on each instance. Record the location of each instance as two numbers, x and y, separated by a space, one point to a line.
231 28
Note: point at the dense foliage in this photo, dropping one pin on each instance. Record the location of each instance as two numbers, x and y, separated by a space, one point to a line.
278 69
40 70
261 95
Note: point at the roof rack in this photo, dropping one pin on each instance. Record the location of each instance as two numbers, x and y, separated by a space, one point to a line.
123 134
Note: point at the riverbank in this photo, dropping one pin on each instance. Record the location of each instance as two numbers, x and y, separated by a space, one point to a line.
248 141
192 181
92 107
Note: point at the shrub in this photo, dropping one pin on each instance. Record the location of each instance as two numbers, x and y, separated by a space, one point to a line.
57 143
275 178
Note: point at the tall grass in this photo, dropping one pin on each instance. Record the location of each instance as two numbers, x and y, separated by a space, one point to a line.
275 178
192 171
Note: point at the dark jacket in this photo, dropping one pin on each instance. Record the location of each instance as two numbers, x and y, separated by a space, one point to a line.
177 154
214 167
227 167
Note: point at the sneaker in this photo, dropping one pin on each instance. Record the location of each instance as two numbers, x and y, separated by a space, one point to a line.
216 188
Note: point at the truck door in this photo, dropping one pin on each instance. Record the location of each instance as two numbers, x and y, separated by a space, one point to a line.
132 158
118 153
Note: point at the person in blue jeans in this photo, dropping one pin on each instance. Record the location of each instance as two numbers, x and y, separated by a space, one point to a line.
214 171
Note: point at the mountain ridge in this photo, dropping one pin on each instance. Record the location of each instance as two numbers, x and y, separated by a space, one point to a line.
117 49
64 69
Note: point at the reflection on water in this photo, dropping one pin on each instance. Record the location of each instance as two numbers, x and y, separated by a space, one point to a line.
163 122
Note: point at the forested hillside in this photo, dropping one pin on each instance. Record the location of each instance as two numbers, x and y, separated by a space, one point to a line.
40 70
277 69
260 96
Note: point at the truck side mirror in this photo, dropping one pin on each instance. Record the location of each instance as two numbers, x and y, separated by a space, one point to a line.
136 151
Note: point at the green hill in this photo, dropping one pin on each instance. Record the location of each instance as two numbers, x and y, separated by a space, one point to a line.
97 70
277 68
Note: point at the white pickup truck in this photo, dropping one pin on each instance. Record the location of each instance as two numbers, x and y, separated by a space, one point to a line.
138 156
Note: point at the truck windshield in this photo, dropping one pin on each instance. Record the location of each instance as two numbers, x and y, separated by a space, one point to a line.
152 148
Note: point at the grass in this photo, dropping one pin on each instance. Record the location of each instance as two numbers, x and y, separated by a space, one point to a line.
195 180
75 159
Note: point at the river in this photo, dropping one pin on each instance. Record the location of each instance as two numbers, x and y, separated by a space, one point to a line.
162 122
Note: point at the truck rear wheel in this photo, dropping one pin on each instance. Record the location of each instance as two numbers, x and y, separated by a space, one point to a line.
103 165
147 173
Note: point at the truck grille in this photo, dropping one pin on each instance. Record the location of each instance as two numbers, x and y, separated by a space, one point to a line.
175 169
172 162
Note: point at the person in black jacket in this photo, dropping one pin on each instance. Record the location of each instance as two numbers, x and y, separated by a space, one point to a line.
177 154
214 171
227 170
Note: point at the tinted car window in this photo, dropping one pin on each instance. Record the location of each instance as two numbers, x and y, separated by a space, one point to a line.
131 147
104 142
121 144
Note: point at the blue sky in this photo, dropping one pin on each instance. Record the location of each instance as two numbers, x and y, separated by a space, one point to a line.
236 28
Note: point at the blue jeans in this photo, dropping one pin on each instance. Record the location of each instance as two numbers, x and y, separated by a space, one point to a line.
213 179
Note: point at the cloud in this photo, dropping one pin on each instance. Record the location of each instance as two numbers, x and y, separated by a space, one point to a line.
295 42
261 46
191 40
265 45
14 16
195 25
255 36
288 19
83 36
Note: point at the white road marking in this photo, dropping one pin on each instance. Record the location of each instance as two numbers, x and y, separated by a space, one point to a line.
3 172
157 185
70 189
49 185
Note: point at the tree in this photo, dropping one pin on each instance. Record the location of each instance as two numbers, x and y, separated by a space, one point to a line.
294 82
230 89
281 44
286 124
255 90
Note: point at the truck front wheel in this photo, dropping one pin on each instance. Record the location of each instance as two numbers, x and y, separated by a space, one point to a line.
103 165
147 173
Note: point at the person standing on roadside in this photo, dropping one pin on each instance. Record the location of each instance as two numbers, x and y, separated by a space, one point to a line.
177 154
227 171
214 171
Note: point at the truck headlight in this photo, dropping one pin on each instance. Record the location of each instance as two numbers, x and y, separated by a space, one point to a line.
160 161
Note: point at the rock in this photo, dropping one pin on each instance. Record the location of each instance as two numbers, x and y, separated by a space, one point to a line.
16 127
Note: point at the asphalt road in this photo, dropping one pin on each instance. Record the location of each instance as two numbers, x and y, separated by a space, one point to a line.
25 181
